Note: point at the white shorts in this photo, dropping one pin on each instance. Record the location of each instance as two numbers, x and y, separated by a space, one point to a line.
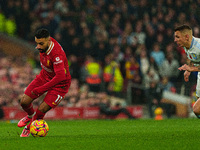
198 85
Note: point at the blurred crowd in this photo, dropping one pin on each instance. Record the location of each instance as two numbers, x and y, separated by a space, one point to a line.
111 45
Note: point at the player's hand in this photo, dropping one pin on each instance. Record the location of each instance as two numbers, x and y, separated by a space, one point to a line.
33 93
37 92
185 67
186 75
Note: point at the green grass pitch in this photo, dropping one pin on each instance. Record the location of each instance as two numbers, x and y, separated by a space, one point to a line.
169 134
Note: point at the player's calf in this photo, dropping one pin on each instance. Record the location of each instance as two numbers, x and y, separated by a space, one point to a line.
196 108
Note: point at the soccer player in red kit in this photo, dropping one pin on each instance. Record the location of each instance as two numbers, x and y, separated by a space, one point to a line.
54 80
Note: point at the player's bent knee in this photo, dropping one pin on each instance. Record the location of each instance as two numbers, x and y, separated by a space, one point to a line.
44 107
196 109
25 100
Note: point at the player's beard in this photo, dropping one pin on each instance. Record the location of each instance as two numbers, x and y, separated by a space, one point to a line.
43 50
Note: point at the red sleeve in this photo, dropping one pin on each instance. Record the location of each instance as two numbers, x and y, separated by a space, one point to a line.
60 76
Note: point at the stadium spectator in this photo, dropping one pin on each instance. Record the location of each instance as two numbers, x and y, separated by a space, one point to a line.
72 102
102 51
10 26
118 56
150 36
74 67
155 97
166 85
157 54
170 48
93 74
169 68
105 109
112 77
128 52
74 89
2 21
132 69
133 76
137 36
62 7
151 76
144 63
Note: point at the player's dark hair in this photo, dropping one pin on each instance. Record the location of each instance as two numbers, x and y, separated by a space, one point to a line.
182 27
42 33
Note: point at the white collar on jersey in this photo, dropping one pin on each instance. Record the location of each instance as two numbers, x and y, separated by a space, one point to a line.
50 48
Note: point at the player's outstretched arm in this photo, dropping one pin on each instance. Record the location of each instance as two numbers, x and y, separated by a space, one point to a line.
189 68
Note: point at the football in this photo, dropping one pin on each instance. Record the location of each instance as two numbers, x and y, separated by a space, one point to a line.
39 128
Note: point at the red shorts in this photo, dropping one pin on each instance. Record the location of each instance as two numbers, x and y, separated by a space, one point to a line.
53 96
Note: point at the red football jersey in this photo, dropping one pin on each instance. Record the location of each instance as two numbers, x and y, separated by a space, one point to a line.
53 61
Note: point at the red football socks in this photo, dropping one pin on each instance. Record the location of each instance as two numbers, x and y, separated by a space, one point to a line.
29 109
38 115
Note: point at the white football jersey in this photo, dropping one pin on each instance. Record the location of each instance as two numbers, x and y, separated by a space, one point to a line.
193 53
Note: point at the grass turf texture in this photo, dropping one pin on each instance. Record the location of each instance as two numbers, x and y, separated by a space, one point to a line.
168 134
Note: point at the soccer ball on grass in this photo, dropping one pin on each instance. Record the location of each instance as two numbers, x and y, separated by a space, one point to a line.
39 128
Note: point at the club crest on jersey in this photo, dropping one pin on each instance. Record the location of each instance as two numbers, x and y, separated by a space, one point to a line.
192 56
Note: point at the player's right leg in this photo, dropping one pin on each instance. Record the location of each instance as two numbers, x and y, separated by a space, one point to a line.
26 101
196 108
26 104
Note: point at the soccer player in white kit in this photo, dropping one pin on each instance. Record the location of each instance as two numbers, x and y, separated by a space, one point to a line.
184 38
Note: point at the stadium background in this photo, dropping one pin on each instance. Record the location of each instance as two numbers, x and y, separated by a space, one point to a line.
132 38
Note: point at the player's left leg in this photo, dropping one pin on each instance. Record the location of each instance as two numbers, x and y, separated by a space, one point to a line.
196 108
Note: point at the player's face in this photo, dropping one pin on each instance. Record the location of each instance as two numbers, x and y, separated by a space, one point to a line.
180 39
42 44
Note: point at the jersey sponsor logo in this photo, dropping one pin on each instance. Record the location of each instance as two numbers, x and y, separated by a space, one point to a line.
45 68
58 60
